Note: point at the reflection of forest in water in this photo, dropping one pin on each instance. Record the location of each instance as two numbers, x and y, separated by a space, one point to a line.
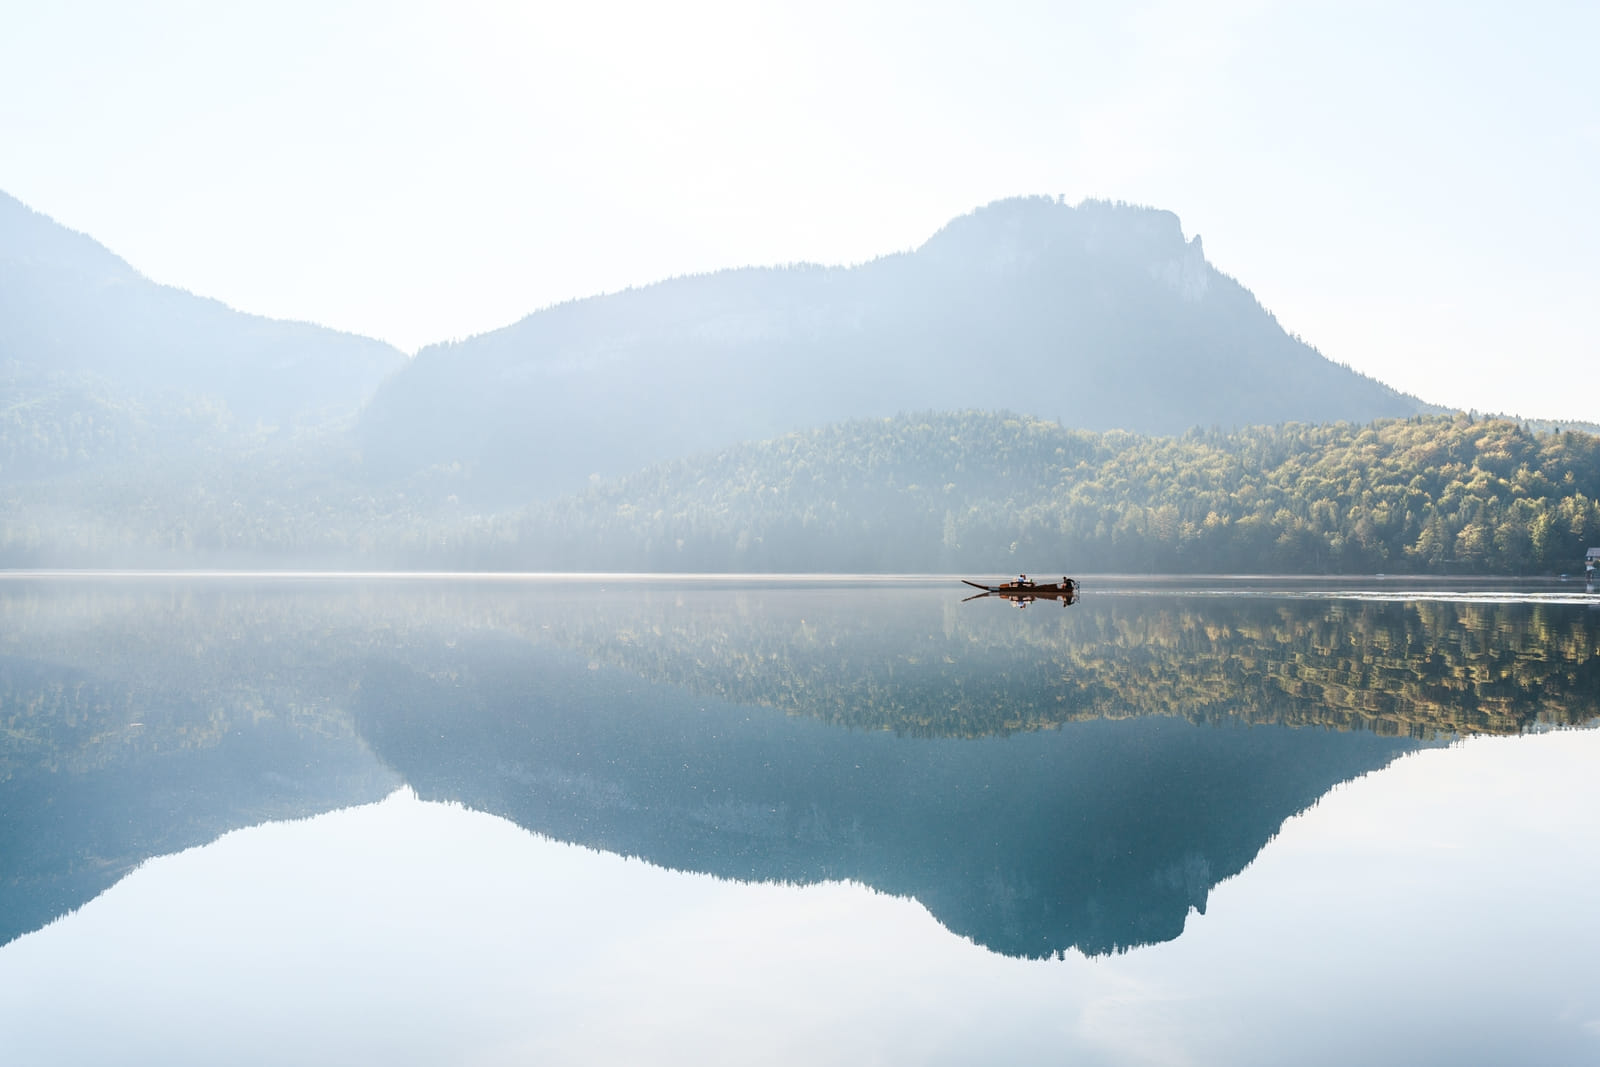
141 718
910 659
905 661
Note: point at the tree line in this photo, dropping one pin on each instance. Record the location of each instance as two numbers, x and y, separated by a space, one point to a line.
954 491
942 492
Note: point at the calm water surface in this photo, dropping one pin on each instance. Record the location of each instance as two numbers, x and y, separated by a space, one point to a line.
575 821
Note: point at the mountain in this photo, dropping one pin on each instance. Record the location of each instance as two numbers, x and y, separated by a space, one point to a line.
77 321
1097 836
1102 316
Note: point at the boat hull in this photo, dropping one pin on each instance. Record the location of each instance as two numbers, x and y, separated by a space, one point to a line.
1022 593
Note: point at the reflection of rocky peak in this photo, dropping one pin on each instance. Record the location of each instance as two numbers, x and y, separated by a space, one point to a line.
1098 836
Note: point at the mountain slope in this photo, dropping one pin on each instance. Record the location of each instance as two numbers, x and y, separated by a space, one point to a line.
1101 315
973 491
73 312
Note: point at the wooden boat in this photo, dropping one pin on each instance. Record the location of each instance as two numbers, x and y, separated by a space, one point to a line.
1024 590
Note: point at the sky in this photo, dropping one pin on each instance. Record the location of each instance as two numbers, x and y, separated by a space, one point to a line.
1409 187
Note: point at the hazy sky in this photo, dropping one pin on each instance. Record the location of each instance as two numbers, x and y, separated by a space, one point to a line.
1410 187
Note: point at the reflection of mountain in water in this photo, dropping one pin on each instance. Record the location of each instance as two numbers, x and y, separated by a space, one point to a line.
135 722
138 721
1099 835
165 772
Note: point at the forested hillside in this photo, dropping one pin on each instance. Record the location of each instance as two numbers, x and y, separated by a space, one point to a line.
1101 316
941 492
969 492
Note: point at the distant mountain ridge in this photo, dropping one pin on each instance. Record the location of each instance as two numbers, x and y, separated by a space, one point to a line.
1100 315
73 311
143 424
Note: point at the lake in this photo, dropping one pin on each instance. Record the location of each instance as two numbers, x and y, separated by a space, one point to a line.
601 819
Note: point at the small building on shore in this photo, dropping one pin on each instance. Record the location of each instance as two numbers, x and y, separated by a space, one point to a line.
1592 560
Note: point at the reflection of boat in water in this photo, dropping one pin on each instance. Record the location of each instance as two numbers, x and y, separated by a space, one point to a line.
1024 591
